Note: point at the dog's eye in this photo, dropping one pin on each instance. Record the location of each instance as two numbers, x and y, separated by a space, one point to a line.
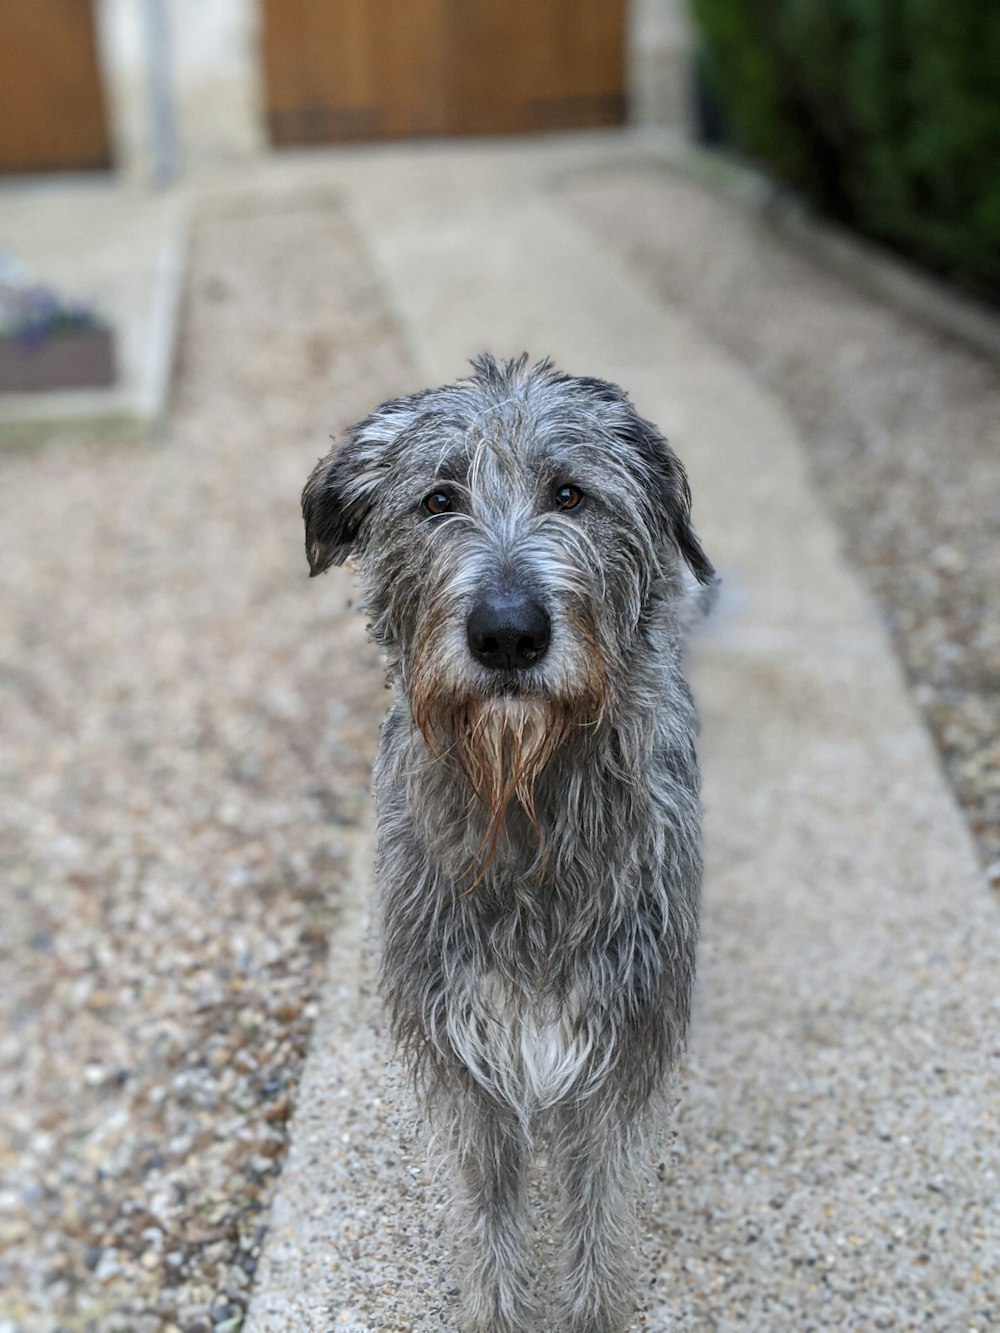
438 502
568 497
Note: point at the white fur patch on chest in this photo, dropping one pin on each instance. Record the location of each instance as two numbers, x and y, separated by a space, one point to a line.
555 1054
530 1054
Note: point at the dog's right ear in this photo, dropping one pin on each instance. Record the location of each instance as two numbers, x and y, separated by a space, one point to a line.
334 509
343 488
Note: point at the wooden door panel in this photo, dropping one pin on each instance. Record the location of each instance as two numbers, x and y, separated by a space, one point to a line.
539 65
51 106
414 60
356 69
350 69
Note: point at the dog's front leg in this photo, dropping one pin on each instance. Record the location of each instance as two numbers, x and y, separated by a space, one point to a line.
595 1152
491 1155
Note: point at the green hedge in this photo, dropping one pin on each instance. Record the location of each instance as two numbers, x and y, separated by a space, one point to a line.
885 114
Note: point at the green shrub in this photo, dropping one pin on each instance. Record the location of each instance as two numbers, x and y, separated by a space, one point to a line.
885 114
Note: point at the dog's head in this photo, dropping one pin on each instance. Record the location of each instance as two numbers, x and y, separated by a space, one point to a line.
516 532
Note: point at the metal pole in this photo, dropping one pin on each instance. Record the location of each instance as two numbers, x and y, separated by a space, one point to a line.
162 118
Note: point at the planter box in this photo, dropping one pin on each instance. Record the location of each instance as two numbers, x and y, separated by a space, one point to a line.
82 360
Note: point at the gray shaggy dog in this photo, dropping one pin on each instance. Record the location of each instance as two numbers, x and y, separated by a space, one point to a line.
523 537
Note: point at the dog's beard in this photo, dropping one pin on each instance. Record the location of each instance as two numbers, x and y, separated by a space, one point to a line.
501 745
503 742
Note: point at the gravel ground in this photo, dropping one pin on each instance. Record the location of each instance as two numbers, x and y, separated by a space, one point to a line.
188 727
188 723
902 428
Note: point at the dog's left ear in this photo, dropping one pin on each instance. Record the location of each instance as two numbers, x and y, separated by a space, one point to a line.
343 487
674 496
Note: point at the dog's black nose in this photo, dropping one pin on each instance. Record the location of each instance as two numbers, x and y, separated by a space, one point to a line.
508 632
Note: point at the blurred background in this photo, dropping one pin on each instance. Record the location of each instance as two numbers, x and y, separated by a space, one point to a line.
205 209
882 116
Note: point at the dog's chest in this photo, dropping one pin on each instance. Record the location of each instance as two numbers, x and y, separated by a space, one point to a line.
555 1053
533 1051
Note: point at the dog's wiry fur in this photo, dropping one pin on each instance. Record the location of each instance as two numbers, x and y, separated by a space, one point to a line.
538 831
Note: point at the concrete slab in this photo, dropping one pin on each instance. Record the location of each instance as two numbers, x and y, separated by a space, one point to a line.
120 250
836 1158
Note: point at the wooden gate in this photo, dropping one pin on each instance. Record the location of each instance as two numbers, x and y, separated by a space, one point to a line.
377 69
51 108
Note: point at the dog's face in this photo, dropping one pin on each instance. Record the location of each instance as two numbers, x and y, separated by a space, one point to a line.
514 531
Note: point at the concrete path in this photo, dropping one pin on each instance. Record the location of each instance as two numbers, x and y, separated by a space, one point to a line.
836 1160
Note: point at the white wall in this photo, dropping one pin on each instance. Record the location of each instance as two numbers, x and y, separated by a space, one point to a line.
659 46
220 90
216 79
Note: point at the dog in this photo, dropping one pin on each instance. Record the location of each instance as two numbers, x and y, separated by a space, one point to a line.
525 542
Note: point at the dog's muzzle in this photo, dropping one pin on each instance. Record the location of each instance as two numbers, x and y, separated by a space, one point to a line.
508 631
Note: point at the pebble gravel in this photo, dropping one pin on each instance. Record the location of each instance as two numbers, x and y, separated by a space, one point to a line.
187 735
